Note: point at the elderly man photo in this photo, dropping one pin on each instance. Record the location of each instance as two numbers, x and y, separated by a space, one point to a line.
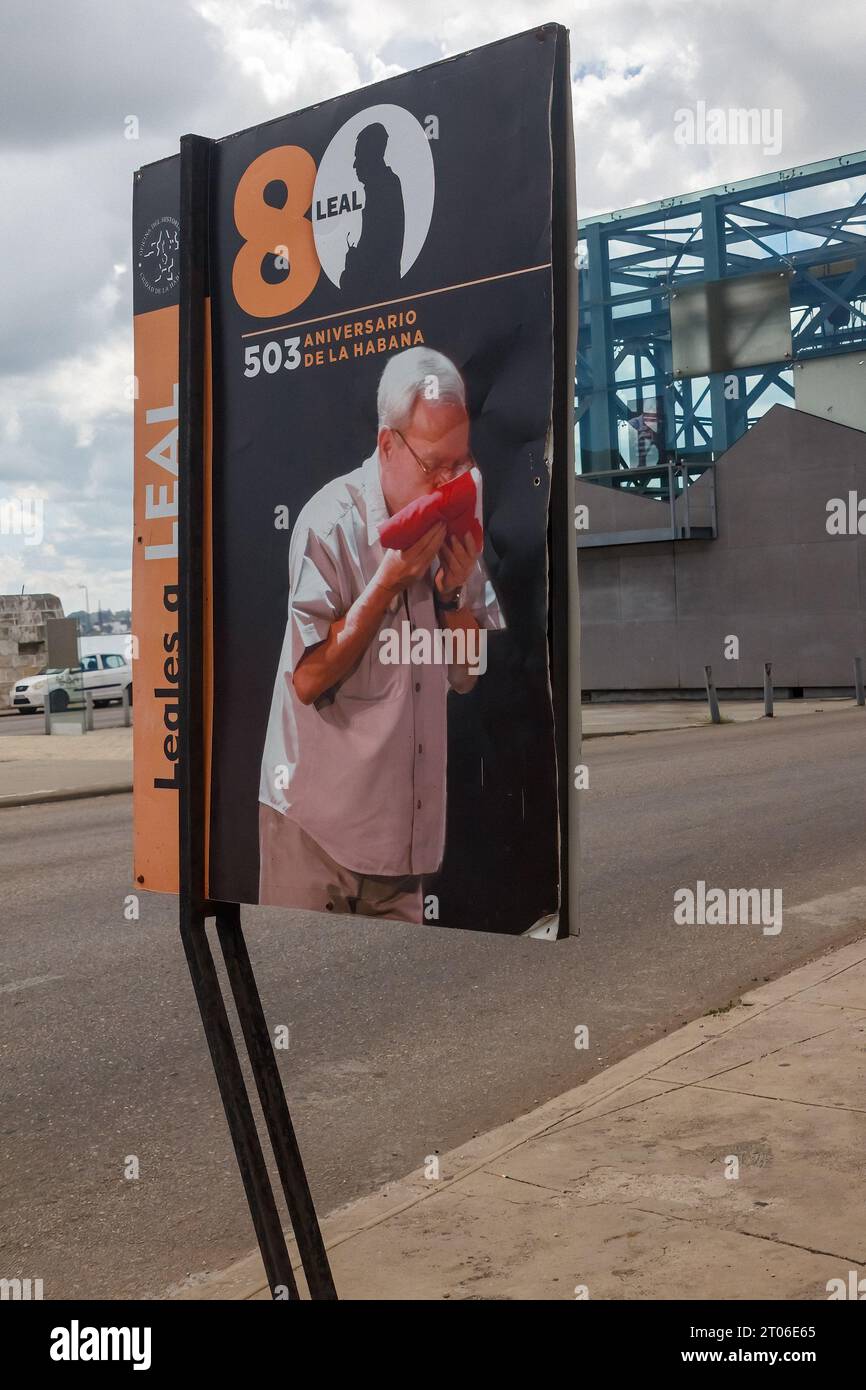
352 795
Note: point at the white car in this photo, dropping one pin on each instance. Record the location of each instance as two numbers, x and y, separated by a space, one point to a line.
27 693
106 675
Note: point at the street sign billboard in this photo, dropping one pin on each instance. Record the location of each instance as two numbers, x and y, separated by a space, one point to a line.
387 554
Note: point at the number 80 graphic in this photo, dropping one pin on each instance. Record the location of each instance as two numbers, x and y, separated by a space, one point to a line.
265 228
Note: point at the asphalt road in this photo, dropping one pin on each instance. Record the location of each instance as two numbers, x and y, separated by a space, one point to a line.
403 1041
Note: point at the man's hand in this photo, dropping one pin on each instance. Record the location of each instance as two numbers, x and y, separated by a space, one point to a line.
458 559
400 567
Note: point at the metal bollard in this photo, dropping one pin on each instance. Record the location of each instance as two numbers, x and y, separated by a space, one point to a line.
88 712
768 689
858 680
124 699
48 709
712 697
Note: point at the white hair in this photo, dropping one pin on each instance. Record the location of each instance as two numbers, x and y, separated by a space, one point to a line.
412 374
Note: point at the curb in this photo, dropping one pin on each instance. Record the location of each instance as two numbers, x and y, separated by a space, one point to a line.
72 794
704 724
664 728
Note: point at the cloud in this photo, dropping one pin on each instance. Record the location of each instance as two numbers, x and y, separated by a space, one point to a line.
292 57
73 72
84 392
66 441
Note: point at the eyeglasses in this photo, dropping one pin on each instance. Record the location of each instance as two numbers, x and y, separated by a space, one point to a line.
435 470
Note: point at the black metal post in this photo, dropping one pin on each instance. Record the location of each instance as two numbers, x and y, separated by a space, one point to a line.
238 1111
273 1101
563 613
194 200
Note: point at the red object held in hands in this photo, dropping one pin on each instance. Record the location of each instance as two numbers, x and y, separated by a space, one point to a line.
454 503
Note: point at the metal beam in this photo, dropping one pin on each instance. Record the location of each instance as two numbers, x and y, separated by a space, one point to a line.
635 259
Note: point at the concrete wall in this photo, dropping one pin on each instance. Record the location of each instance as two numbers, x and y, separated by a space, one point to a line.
653 614
22 635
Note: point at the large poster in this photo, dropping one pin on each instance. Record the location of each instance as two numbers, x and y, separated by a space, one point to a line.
383 736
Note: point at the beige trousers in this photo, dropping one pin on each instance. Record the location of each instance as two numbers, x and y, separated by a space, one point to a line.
296 872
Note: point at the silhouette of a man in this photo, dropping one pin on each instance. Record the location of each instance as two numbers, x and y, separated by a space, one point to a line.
373 265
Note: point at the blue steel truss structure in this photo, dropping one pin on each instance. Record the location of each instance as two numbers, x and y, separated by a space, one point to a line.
807 222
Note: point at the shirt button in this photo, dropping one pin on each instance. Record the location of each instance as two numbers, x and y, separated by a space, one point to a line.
419 805
420 748
417 685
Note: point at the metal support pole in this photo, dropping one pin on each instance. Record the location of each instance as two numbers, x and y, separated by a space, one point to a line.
194 217
564 626
687 522
858 680
728 416
273 1101
194 182
768 689
712 697
238 1111
672 500
603 434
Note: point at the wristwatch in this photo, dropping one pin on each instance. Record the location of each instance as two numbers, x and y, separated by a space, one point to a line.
449 605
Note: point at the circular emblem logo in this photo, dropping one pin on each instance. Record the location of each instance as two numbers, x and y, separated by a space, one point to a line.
373 200
159 256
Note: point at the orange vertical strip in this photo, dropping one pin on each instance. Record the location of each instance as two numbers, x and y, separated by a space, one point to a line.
156 746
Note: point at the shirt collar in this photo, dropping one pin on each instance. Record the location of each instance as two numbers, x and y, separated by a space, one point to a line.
377 512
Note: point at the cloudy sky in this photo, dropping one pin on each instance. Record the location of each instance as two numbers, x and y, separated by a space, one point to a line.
73 71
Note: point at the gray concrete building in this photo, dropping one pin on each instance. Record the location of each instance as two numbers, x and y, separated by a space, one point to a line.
774 577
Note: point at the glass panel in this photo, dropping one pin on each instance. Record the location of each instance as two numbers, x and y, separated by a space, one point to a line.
726 325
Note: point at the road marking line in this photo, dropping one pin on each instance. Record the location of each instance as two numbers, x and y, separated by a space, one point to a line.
28 984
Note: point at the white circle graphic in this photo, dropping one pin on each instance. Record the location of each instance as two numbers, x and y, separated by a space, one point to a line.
339 194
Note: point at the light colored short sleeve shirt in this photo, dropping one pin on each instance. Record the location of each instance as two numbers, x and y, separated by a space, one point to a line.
363 770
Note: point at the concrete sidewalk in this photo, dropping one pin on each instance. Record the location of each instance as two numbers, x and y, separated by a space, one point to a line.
35 768
646 716
724 1161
